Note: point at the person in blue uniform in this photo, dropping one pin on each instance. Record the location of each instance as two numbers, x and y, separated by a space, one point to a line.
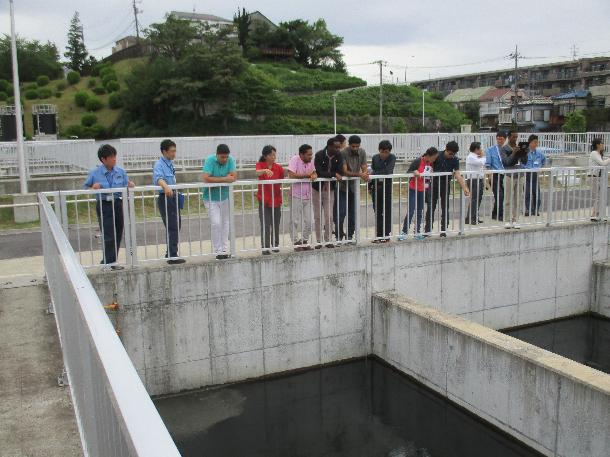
109 206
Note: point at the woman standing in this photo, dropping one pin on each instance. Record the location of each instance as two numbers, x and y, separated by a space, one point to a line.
596 159
475 166
421 169
269 198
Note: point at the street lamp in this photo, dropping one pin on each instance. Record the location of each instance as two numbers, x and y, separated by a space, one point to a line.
335 111
423 108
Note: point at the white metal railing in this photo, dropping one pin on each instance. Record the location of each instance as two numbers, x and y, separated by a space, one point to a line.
78 156
115 415
377 210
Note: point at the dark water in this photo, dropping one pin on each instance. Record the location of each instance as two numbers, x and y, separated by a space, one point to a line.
584 339
361 408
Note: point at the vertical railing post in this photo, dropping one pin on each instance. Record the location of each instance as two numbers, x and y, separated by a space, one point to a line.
551 204
129 223
232 219
603 194
63 211
357 210
462 212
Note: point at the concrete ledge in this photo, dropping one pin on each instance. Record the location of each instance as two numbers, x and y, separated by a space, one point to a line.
600 299
557 406
23 214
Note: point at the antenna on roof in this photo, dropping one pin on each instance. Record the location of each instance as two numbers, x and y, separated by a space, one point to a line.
574 52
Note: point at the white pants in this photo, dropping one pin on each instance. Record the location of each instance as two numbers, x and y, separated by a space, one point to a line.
300 216
219 218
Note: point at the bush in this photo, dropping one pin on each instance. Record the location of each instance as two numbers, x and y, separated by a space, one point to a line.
73 77
31 94
61 85
81 97
106 70
58 94
3 96
10 100
45 92
99 90
115 101
42 80
107 78
74 130
112 86
92 82
98 68
93 104
10 89
88 119
4 85
95 131
31 86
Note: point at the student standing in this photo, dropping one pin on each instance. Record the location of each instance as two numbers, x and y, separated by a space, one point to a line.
475 165
381 191
269 198
301 166
109 207
535 160
168 200
219 169
494 162
354 166
329 164
596 159
421 169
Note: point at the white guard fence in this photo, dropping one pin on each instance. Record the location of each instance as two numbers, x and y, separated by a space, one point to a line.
115 415
142 224
79 156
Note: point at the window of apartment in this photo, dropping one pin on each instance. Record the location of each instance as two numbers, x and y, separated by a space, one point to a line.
598 102
547 115
566 109
538 115
598 67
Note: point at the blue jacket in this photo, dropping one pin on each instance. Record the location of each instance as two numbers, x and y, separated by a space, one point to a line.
493 158
535 159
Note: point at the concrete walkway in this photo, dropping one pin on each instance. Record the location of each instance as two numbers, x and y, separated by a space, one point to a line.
36 416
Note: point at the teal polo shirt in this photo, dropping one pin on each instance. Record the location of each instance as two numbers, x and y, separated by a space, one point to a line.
216 170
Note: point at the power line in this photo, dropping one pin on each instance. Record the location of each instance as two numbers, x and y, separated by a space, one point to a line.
122 23
120 35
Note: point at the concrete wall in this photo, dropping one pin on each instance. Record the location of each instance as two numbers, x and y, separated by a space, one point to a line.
600 296
214 322
557 406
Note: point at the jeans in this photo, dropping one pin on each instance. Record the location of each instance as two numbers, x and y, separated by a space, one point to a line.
438 189
170 214
477 186
219 220
110 218
270 225
382 205
345 204
497 187
416 204
532 194
321 204
300 218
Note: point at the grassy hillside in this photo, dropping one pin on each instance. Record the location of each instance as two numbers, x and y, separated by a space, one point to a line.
295 78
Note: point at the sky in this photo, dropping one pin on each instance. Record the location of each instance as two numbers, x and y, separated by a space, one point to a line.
428 39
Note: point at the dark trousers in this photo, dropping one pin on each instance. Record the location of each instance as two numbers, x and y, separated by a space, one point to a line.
345 204
416 206
476 186
110 218
382 205
270 225
170 213
532 194
497 185
438 189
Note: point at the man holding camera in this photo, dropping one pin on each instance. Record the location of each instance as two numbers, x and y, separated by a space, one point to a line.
513 157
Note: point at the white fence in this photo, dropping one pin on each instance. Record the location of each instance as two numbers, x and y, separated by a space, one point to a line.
376 211
78 156
115 415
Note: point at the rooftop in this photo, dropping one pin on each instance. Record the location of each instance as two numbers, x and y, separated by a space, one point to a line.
467 95
199 17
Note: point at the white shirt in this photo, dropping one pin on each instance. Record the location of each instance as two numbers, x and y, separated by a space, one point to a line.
475 163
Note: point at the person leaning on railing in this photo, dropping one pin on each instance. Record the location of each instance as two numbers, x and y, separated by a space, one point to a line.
269 198
109 207
475 165
381 191
596 159
168 200
219 168
301 166
535 160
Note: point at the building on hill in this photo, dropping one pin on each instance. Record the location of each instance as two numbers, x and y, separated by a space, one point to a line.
258 19
458 98
207 19
124 43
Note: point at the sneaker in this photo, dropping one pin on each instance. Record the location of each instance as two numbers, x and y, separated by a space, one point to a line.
402 236
117 267
175 261
220 257
266 252
420 236
443 235
481 221
384 240
595 219
298 243
276 250
508 225
318 246
330 245
516 225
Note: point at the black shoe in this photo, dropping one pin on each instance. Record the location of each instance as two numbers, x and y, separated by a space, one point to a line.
318 246
117 267
298 243
443 235
330 245
276 250
264 253
222 256
176 261
481 221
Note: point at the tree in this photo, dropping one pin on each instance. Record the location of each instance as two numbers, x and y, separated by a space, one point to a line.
242 23
314 45
76 52
257 93
575 122
35 59
171 38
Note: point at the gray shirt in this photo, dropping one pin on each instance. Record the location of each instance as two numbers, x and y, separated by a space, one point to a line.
354 162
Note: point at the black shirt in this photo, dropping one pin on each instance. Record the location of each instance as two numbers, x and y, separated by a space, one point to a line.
383 167
327 166
444 164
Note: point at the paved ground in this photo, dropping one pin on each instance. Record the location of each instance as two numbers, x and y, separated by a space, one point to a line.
36 416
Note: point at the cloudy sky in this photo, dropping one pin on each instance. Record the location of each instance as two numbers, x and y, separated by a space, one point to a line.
431 38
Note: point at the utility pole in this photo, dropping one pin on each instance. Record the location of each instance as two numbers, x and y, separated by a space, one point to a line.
380 63
23 183
574 52
335 111
423 108
515 56
135 13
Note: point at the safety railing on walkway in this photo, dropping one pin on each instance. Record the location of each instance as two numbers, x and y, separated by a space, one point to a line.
135 154
144 224
115 415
